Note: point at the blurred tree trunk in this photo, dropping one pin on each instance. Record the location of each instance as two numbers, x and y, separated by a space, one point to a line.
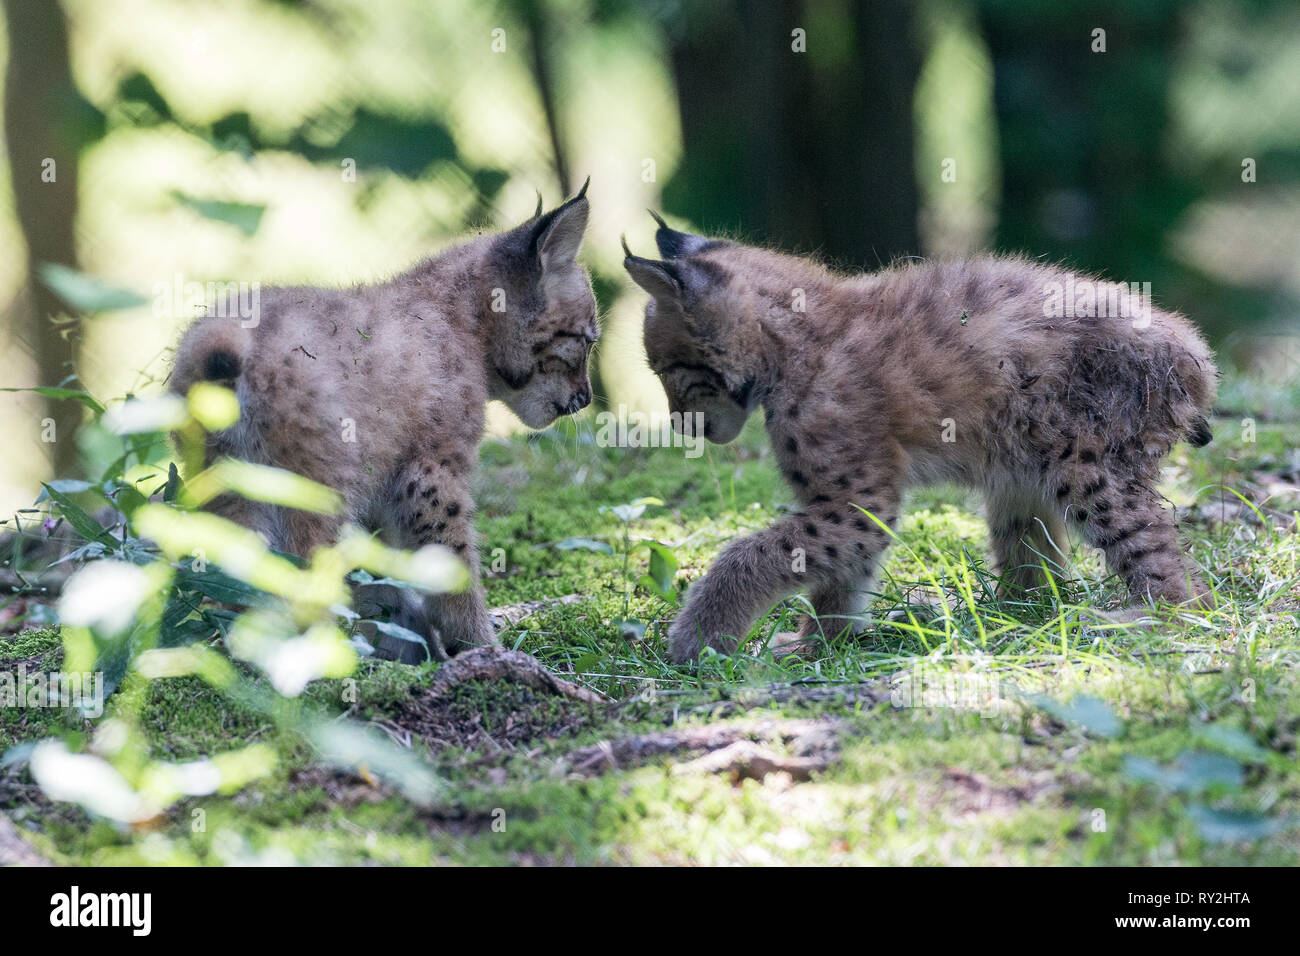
541 40
812 150
1083 134
41 124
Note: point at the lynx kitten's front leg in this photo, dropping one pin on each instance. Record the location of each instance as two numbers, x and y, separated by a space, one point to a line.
436 508
828 548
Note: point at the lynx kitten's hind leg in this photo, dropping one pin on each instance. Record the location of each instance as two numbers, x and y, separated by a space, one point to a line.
1025 533
1121 513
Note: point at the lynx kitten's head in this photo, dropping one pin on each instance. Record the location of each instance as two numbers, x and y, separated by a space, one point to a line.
547 313
704 326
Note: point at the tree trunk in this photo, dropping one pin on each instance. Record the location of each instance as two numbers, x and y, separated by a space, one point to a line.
810 151
42 110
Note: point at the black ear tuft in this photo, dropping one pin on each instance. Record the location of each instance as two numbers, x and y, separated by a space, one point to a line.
673 244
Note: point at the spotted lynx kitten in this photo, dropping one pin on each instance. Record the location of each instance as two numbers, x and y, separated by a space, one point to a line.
930 371
379 391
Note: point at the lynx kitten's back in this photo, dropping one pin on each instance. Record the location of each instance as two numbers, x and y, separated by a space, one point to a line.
995 373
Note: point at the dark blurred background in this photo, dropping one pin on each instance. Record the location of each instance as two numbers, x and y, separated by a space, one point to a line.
157 142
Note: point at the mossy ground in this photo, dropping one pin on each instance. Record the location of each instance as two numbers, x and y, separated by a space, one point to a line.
1089 754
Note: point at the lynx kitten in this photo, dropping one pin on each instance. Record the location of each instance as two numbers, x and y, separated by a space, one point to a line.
379 391
965 371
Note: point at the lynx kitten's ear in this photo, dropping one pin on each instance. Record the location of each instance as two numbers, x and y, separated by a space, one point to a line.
558 234
660 279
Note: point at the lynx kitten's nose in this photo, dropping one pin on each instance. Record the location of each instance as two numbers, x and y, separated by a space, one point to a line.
580 400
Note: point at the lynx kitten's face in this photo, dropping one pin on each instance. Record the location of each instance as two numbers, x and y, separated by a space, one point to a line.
690 314
695 387
541 358
561 341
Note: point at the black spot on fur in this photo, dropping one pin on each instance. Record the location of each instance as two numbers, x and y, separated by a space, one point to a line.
1118 537
453 509
811 529
1134 557
1088 457
1089 490
798 478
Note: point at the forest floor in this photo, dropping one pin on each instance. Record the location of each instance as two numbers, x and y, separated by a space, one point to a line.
960 729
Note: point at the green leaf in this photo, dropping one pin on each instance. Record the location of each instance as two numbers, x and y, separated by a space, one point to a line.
87 293
401 633
85 398
69 486
631 630
584 544
217 585
1236 826
362 576
346 744
1191 772
183 632
235 132
128 499
1093 715
82 523
381 141
663 568
632 510
173 486
138 88
262 483
246 217
1232 741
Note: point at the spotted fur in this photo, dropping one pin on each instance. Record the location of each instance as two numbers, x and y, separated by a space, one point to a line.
379 391
930 371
